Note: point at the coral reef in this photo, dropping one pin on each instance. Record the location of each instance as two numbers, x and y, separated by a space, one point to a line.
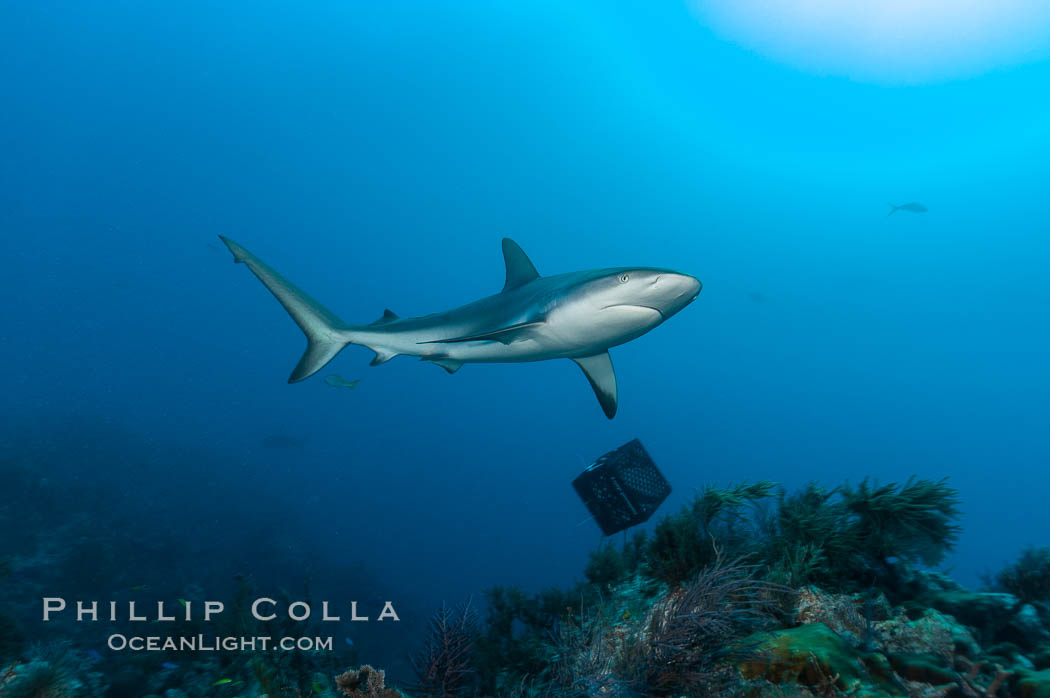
693 633
844 538
748 591
717 519
365 682
816 656
444 667
915 522
836 599
52 670
515 640
1029 578
12 637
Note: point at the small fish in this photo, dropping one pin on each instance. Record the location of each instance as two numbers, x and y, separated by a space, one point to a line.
140 587
183 602
348 641
222 682
337 381
913 206
169 665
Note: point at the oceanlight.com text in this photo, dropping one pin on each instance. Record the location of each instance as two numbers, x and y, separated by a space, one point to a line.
200 643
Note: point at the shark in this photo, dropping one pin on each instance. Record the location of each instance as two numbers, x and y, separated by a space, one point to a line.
913 207
576 315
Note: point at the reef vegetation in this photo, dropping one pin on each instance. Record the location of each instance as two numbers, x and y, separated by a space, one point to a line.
753 591
748 590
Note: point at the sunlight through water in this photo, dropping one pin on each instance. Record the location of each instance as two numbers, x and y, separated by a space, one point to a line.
889 42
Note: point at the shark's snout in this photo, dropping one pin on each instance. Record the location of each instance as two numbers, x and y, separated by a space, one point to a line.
675 291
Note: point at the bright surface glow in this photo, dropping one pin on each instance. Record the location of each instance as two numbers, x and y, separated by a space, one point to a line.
887 41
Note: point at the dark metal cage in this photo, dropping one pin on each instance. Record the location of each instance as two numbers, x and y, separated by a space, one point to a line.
622 488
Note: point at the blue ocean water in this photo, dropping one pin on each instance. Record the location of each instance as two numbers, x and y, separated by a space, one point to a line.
376 155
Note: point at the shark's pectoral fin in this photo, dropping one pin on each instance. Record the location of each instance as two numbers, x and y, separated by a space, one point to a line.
450 365
504 335
599 371
520 269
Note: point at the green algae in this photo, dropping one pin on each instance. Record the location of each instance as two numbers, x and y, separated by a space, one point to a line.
1034 684
921 667
814 655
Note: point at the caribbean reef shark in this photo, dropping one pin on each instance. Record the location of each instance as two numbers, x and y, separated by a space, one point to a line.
578 316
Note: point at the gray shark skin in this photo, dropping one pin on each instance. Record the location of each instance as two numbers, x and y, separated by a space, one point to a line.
579 316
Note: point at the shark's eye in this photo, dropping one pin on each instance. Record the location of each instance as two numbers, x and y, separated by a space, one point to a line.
625 277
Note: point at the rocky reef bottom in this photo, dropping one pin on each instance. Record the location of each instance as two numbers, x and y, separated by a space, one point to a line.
747 591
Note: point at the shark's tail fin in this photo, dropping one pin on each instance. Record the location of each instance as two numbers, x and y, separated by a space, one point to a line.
893 209
325 333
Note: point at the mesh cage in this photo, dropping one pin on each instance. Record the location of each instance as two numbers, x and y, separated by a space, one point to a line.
622 488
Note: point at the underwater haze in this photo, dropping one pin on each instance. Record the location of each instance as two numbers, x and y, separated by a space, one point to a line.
376 154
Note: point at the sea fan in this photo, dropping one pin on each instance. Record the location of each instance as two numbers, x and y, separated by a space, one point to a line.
444 667
51 673
694 634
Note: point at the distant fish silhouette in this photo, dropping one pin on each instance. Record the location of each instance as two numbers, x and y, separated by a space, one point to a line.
282 441
756 297
913 206
337 381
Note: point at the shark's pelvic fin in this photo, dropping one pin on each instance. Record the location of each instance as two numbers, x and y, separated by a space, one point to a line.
325 333
520 270
388 316
450 365
504 335
599 371
382 356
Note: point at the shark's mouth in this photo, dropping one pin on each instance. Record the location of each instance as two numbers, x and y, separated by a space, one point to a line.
634 305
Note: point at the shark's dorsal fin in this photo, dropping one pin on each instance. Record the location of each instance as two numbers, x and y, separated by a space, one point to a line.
388 316
599 371
520 270
504 335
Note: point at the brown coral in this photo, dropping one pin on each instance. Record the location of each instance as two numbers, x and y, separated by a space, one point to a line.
931 634
365 682
837 611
